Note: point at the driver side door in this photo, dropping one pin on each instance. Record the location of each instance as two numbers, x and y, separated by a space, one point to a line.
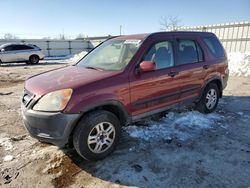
158 90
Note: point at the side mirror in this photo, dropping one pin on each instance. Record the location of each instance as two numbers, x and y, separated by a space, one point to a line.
147 66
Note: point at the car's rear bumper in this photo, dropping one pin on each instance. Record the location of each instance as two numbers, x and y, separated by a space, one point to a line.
49 127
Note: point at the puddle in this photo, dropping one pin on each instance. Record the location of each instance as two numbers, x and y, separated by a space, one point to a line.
66 169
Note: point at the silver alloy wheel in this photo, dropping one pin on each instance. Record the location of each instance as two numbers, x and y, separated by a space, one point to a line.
101 137
211 99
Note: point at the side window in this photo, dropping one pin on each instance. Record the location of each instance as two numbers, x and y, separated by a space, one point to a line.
16 47
9 48
162 54
25 47
214 46
20 47
189 52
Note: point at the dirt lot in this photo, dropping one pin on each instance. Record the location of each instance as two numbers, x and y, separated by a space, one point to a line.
209 151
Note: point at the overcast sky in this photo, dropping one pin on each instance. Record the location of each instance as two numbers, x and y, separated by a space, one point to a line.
40 18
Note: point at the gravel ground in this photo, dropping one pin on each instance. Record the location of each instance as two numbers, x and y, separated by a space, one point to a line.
190 150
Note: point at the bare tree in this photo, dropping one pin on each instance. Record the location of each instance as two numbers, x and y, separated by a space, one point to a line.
80 36
62 37
46 38
9 36
169 23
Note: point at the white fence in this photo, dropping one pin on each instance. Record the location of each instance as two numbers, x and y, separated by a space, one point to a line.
56 47
235 37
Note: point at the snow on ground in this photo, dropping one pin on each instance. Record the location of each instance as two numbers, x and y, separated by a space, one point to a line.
77 57
8 158
182 126
5 143
239 64
68 58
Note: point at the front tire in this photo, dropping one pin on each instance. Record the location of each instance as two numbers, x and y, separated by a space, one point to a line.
209 99
96 135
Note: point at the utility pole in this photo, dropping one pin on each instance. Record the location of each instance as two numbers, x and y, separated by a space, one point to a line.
120 29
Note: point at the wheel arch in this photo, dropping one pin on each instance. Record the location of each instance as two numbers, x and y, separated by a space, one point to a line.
115 107
216 80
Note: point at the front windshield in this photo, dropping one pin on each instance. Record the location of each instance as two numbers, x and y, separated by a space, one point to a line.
112 55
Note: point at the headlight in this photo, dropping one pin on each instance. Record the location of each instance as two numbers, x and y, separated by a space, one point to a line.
54 101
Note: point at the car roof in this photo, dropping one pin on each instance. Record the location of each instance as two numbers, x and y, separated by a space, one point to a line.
145 35
8 44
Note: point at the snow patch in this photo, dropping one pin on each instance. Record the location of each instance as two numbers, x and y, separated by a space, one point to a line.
75 58
68 58
6 143
240 113
182 126
8 158
239 64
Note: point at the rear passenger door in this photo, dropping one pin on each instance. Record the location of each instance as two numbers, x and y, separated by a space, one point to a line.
190 62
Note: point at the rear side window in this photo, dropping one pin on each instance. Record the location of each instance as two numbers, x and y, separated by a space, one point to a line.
214 46
189 52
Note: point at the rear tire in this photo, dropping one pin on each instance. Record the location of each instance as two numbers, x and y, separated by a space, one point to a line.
96 135
34 59
209 99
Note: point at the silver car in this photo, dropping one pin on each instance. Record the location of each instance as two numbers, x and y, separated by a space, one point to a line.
31 54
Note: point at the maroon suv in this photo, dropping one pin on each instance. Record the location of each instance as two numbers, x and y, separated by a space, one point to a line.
124 79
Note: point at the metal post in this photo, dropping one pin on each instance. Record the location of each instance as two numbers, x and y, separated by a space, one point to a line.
235 47
242 32
48 48
246 41
120 29
231 40
70 51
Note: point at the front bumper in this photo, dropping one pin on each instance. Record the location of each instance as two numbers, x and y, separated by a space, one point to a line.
54 128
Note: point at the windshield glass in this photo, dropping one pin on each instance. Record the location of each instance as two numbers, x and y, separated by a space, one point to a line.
112 55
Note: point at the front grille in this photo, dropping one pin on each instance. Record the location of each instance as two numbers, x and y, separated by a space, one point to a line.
27 97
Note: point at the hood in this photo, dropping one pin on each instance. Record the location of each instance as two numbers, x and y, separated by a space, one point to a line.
68 77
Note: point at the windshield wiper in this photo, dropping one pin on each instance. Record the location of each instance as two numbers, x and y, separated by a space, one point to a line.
94 68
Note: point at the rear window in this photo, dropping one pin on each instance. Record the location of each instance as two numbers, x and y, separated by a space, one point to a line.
214 46
189 52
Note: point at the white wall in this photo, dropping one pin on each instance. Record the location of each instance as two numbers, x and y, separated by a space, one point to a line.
56 47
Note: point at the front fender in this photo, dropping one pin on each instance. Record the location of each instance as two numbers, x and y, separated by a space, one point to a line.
87 103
